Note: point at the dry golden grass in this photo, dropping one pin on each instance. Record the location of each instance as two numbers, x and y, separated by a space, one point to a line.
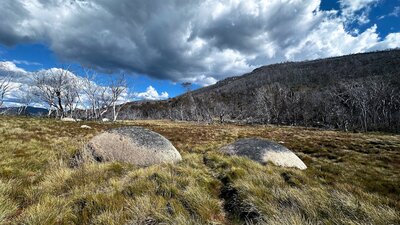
351 178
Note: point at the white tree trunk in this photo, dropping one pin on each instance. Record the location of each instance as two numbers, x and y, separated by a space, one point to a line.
114 113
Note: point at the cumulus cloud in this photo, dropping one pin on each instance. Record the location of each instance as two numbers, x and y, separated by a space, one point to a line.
7 68
201 80
180 40
352 6
357 9
150 94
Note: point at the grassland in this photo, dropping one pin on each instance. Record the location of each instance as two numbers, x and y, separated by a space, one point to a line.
352 178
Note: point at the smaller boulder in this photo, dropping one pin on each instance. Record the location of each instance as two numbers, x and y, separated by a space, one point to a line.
68 119
105 120
85 127
264 151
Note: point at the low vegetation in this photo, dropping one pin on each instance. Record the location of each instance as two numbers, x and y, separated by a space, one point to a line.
352 178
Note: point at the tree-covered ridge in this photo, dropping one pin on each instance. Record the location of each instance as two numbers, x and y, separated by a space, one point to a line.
355 92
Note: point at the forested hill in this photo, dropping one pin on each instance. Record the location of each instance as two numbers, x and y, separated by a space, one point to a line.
355 92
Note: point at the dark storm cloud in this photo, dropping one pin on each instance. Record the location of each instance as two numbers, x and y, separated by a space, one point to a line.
181 39
12 13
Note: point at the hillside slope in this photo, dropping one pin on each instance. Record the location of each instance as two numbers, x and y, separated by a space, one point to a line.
359 92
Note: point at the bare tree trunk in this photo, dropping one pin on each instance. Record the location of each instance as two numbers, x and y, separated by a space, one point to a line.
20 110
114 113
181 112
61 109
50 111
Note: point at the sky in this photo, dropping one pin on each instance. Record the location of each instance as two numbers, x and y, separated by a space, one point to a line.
160 44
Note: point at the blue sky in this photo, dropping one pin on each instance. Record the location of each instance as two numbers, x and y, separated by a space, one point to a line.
199 42
33 57
379 15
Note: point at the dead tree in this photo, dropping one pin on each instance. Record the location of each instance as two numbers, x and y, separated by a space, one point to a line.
71 97
43 90
60 81
104 100
92 91
51 86
118 87
25 100
5 87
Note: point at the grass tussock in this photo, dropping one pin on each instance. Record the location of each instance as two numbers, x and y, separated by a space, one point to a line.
351 178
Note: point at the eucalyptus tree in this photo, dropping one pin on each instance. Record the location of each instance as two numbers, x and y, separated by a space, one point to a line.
118 88
5 87
57 88
102 98
91 90
43 89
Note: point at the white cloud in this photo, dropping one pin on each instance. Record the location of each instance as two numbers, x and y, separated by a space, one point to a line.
330 39
24 62
357 10
10 67
150 94
396 12
391 41
353 6
201 80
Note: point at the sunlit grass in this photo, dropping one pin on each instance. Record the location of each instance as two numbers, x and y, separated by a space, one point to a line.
351 178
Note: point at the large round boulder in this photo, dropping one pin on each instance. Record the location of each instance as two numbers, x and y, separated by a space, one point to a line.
264 151
133 145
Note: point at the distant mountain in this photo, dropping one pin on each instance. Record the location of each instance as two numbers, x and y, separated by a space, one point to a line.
29 111
357 92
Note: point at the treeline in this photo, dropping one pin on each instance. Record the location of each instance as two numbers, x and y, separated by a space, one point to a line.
371 104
